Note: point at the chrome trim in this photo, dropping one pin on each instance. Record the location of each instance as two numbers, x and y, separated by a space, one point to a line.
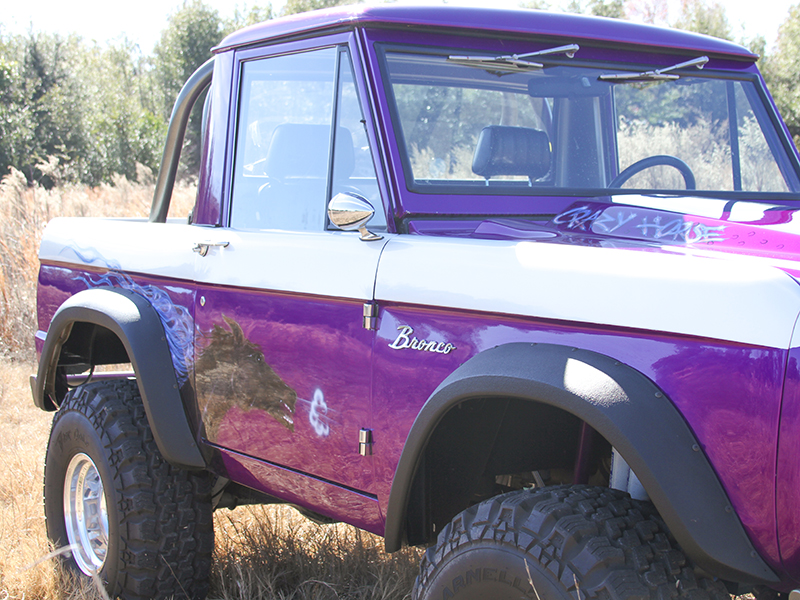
86 514
370 315
404 340
202 247
365 442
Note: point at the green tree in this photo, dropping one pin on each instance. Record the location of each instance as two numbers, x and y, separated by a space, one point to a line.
242 17
608 8
781 70
123 124
14 120
599 8
758 45
700 17
76 113
293 7
42 108
186 44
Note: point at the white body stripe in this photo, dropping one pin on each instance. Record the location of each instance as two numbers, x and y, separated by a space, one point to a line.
721 297
333 263
725 297
134 245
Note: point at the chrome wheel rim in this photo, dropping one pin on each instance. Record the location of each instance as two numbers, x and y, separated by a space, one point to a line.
86 514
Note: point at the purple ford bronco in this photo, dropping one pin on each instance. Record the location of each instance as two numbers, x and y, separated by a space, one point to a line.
518 287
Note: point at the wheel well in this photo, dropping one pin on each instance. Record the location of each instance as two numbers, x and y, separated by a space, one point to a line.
486 446
89 345
112 326
627 410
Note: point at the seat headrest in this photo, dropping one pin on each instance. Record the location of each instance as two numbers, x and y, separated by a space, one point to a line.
301 150
520 151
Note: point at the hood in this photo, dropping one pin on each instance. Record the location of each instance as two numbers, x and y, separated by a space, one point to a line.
769 232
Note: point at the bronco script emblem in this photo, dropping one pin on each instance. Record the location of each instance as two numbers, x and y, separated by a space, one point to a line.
404 340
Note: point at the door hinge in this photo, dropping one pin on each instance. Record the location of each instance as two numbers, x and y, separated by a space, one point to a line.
365 442
371 315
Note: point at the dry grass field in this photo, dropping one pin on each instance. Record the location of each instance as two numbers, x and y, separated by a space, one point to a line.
261 552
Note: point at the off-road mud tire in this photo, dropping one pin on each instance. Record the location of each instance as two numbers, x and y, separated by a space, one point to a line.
160 531
568 542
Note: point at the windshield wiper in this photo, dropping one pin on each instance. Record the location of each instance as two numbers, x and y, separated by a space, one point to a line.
658 74
511 63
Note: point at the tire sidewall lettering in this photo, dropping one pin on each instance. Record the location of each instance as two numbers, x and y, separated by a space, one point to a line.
487 574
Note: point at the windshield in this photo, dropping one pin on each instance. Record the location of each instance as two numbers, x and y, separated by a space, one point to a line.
469 127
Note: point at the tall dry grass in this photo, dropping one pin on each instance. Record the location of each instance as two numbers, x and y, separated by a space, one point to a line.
24 213
706 148
274 553
261 552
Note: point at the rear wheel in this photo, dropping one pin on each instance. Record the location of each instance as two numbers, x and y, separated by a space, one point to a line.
141 524
562 543
86 513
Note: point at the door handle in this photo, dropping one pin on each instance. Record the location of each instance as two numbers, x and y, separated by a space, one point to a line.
202 247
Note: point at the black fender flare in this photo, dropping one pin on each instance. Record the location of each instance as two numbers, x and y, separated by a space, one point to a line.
619 403
137 324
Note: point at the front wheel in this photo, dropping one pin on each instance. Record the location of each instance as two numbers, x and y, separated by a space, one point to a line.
139 523
561 543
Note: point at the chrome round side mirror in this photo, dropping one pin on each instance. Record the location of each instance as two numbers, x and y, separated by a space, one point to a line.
351 212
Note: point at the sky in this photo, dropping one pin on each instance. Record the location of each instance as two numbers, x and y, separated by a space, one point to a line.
143 20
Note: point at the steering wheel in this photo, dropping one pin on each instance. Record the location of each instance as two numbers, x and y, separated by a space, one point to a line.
653 161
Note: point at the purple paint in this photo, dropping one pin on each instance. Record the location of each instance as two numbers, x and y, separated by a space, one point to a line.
320 350
293 487
736 422
773 234
332 377
787 476
211 186
529 23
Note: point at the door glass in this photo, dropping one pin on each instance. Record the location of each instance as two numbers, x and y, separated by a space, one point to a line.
283 141
353 169
760 172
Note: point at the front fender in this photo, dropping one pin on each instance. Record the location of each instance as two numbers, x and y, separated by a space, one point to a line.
137 325
629 411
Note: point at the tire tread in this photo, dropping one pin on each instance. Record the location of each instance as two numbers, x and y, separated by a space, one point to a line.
598 542
166 530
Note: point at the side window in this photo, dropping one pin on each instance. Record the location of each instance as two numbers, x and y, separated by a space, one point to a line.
283 141
353 169
759 166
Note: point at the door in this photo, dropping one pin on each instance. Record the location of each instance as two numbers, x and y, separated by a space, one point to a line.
282 367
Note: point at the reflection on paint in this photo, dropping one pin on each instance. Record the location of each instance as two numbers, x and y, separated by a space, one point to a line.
177 320
315 416
231 371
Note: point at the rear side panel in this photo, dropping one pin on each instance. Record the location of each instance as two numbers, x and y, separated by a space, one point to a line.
727 390
788 466
729 394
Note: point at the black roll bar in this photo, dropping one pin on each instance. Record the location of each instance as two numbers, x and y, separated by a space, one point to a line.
188 95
